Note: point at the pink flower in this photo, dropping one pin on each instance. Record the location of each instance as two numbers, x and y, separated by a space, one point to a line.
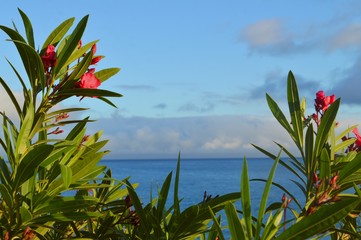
95 59
322 102
49 59
358 137
88 80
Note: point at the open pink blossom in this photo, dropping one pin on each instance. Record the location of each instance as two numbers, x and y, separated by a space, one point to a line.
88 80
322 102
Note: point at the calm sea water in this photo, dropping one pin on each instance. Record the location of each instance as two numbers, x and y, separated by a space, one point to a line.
215 176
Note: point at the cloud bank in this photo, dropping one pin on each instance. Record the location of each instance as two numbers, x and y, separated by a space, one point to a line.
209 136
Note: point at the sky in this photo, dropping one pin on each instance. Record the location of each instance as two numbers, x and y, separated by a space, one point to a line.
194 74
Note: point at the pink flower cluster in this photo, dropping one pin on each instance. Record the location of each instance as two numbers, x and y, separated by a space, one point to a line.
356 146
87 80
49 59
322 103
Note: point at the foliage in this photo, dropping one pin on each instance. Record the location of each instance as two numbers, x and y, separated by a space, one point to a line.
327 174
54 187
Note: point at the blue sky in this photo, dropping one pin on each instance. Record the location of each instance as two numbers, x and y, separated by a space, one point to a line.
195 73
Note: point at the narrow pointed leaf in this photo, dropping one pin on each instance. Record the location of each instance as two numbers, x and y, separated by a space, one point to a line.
278 114
30 163
28 29
267 188
66 175
138 208
24 134
105 74
324 128
234 223
176 186
246 198
70 45
87 92
295 109
56 35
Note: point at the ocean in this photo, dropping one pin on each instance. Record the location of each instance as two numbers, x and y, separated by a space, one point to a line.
215 176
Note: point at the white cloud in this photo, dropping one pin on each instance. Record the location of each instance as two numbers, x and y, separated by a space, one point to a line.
223 143
265 33
209 136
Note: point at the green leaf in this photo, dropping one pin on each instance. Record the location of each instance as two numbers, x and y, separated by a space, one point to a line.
345 132
309 161
30 163
65 217
246 199
5 195
70 45
139 209
163 195
278 114
66 204
81 67
176 186
324 128
25 214
234 223
30 58
350 168
105 74
23 138
26 93
79 53
267 188
295 110
321 221
344 144
4 173
28 29
77 129
87 92
325 165
56 35
107 101
38 124
66 175
284 164
64 110
217 228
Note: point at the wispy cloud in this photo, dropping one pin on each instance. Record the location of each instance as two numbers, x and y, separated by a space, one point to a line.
274 37
270 36
160 106
192 107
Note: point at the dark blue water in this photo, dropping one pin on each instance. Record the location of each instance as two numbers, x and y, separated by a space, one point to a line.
215 176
